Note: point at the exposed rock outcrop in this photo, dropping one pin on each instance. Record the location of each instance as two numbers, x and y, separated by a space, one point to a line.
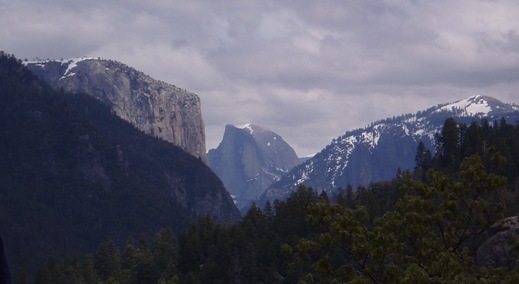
249 159
498 249
155 107
74 175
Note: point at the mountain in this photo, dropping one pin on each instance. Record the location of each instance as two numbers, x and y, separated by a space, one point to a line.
249 159
378 151
73 174
155 107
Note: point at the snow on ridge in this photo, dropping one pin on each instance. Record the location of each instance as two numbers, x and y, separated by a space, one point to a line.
471 106
242 126
247 126
62 60
420 126
71 63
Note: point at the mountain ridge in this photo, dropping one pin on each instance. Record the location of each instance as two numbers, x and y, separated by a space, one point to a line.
357 157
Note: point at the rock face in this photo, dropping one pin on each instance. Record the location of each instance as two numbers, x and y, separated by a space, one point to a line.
376 152
74 175
249 159
498 249
157 108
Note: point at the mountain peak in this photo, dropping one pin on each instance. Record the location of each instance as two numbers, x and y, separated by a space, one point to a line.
249 159
376 152
477 105
248 126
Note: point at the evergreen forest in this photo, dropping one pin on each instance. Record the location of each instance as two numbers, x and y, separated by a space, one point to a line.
424 226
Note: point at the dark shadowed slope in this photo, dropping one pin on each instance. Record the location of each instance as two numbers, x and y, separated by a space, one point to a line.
72 174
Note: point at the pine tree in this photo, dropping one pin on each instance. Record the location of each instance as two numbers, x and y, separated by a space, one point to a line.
107 261
448 143
165 253
138 263
423 158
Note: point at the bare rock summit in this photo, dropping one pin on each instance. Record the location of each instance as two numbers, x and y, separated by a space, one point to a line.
249 159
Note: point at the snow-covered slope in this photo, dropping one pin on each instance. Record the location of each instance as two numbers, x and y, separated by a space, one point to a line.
68 65
377 152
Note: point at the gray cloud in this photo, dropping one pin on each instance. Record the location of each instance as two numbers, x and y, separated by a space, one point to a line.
309 70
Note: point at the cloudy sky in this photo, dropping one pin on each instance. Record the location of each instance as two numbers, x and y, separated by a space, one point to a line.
308 70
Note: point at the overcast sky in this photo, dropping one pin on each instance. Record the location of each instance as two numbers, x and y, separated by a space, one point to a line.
308 70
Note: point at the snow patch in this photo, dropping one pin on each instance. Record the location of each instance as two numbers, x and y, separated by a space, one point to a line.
475 105
41 65
372 137
247 126
71 63
304 174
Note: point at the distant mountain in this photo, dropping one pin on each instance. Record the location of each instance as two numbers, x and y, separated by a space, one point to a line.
73 174
304 159
157 108
376 152
249 159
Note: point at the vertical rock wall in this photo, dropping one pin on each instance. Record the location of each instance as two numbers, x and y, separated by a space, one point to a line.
155 107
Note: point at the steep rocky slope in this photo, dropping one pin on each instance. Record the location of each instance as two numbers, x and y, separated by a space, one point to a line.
249 159
376 152
73 174
498 249
157 108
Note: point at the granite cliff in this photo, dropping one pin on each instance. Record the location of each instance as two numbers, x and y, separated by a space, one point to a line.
74 175
155 107
249 159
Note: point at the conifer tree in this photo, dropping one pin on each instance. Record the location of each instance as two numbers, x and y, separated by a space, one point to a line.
449 145
165 253
107 261
423 158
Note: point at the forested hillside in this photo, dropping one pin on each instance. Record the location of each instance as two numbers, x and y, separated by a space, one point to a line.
376 152
423 226
73 175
